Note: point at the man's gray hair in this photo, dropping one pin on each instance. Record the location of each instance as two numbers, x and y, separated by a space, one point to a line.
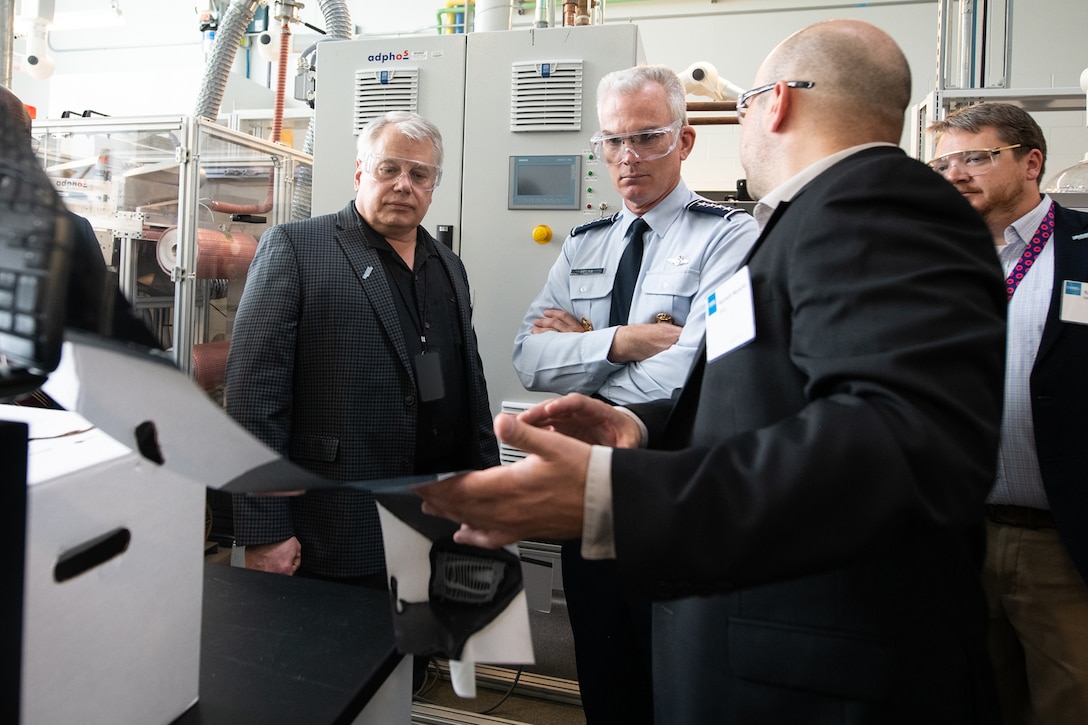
630 80
408 124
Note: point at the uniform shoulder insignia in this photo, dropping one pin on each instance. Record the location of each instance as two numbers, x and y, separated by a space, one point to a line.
604 221
705 206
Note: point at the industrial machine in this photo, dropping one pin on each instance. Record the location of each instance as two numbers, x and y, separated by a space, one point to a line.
530 176
358 80
178 204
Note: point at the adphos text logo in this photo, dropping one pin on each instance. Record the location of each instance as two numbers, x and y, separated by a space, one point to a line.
386 57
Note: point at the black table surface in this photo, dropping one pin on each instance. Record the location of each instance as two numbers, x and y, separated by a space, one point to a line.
278 649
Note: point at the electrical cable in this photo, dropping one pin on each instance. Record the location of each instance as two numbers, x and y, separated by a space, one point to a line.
418 696
509 691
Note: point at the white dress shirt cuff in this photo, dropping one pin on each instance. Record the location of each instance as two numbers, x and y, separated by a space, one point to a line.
598 541
644 433
598 533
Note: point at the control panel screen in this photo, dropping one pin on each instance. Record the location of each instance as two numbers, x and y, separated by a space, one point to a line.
544 182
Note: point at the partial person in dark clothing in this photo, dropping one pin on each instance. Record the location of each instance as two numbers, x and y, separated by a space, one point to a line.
91 305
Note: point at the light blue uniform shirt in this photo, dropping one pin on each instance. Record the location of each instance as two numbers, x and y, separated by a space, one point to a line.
688 254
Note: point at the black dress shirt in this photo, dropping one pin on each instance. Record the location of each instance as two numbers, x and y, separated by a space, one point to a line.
427 308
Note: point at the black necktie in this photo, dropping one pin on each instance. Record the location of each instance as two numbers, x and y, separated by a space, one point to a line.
623 289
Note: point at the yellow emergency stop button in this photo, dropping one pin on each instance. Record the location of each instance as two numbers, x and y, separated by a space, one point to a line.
542 234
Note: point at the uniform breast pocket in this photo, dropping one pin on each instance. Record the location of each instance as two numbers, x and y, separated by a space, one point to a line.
671 293
591 296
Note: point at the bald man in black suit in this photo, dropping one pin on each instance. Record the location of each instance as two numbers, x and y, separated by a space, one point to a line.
808 511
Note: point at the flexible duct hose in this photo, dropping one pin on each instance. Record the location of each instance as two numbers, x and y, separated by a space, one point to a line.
337 19
337 27
227 39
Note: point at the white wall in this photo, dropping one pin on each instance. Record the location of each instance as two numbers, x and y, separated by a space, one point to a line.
737 36
154 64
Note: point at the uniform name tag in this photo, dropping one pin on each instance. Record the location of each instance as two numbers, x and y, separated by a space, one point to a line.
586 270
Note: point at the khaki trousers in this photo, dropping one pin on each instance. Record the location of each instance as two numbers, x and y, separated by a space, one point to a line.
1038 606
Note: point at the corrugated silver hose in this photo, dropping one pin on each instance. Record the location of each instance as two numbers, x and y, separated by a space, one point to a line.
302 193
227 39
337 27
337 19
231 31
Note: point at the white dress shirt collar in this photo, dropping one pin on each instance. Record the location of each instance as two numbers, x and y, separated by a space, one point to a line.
789 188
1023 229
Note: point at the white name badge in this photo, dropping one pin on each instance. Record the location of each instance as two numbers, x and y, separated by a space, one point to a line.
1075 302
730 316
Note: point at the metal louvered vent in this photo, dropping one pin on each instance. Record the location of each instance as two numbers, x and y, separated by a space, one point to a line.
378 91
546 96
507 453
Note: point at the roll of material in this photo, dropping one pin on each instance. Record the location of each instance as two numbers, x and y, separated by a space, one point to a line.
219 255
210 363
493 15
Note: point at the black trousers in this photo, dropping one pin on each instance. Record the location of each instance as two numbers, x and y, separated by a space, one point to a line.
611 642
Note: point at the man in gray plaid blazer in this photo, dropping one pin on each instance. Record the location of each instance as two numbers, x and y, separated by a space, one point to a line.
353 355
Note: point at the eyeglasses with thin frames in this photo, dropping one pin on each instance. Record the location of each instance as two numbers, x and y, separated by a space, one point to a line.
973 162
745 99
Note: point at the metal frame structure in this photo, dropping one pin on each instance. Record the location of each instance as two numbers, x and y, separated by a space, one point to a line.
188 158
974 64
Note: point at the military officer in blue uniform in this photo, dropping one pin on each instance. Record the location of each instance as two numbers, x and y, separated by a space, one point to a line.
691 247
662 255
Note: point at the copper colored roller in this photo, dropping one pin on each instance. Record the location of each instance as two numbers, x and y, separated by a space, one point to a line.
219 255
210 363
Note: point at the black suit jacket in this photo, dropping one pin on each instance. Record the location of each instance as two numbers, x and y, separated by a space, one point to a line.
319 371
815 518
1059 394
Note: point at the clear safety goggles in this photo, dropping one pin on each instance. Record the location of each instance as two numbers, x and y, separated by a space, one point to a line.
422 176
643 145
973 162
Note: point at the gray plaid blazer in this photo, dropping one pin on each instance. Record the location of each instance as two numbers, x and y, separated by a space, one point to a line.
319 371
